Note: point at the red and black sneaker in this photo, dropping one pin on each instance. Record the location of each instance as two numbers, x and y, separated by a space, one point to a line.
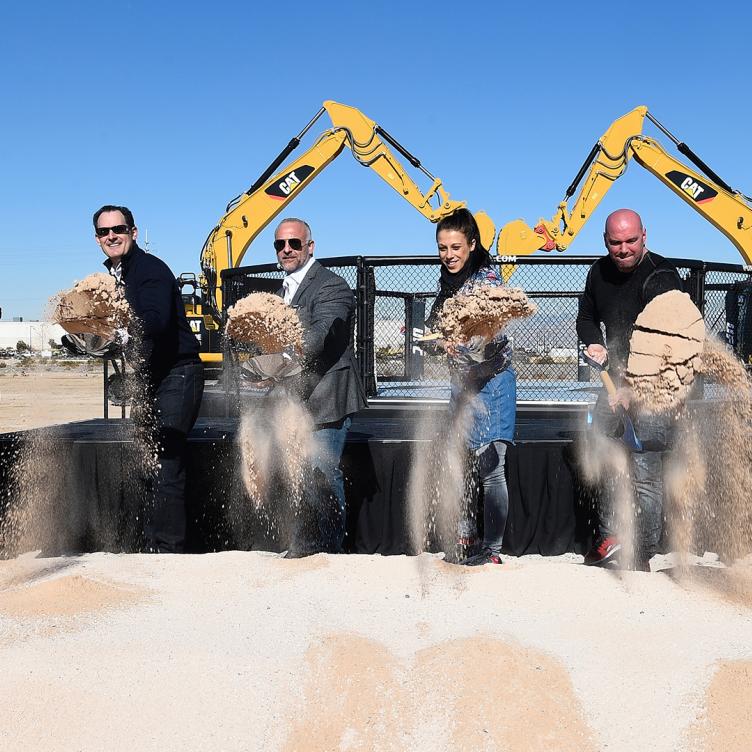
604 553
486 556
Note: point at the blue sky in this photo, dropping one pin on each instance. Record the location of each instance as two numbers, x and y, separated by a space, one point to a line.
175 108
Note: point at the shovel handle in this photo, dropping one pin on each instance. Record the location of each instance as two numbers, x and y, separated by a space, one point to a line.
608 383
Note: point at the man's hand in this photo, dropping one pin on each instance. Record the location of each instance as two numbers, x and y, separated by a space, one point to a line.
598 353
622 397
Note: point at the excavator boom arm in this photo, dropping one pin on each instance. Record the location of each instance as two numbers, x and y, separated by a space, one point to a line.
248 215
251 212
709 196
606 162
727 211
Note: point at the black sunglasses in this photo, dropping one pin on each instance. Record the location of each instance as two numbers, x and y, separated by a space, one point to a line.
295 243
103 232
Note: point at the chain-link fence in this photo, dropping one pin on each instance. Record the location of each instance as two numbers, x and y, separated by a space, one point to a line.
395 296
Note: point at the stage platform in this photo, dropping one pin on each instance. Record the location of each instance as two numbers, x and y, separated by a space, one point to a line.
88 476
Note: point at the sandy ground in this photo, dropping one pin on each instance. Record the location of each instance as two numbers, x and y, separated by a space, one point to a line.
247 651
33 398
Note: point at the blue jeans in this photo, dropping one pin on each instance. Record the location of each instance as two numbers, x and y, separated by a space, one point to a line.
321 526
490 459
646 474
176 403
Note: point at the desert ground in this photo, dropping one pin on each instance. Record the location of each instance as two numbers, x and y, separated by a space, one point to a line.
248 651
32 396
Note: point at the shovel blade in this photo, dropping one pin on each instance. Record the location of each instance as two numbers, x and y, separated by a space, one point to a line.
629 437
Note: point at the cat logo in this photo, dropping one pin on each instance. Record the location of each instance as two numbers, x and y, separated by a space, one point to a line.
284 188
698 191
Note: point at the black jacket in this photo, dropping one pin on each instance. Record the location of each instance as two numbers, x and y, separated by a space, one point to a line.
616 299
162 333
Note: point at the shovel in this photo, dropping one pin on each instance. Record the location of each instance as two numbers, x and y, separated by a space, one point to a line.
629 437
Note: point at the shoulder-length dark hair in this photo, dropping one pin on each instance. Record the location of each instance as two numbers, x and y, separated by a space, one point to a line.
463 221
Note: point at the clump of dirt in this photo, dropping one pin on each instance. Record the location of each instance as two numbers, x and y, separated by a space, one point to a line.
266 321
665 351
95 305
483 313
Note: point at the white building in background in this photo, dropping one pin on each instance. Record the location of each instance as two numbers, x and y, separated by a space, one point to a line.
36 334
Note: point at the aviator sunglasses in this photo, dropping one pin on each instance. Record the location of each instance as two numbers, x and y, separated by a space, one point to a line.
295 243
103 232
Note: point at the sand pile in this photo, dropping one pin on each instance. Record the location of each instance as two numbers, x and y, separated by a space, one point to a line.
95 305
266 321
483 313
664 351
247 651
722 728
533 708
65 596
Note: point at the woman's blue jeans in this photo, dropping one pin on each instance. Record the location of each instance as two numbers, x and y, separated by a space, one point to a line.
492 476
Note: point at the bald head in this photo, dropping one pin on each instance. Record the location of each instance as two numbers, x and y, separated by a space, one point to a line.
625 239
293 244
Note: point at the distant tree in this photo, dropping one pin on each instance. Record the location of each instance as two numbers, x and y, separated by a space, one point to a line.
21 346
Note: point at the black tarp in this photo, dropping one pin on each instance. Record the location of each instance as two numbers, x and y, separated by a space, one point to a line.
89 490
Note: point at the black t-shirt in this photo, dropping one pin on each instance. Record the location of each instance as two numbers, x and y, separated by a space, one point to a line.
615 299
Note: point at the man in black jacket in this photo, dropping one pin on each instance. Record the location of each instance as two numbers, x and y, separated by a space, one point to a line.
165 357
618 288
331 388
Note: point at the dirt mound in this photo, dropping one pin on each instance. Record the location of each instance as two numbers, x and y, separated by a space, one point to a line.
95 305
727 703
664 351
65 596
376 701
483 313
266 321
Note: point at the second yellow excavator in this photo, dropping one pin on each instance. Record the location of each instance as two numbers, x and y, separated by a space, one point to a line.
728 209
250 212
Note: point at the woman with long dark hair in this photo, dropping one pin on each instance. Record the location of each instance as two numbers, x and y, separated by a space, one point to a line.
482 382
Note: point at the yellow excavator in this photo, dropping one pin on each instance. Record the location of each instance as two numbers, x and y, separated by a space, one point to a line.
728 209
250 212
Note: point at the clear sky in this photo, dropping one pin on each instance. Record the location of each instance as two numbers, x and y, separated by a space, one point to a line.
174 108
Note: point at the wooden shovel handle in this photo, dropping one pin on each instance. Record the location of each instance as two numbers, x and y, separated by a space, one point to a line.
608 383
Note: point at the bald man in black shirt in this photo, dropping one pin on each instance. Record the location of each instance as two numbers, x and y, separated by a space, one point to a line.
618 288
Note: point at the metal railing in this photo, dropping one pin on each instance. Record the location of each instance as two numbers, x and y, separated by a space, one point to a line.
394 296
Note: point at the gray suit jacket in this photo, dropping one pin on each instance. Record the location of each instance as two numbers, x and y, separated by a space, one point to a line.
331 386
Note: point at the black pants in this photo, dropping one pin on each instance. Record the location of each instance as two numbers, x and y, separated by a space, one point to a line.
176 403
